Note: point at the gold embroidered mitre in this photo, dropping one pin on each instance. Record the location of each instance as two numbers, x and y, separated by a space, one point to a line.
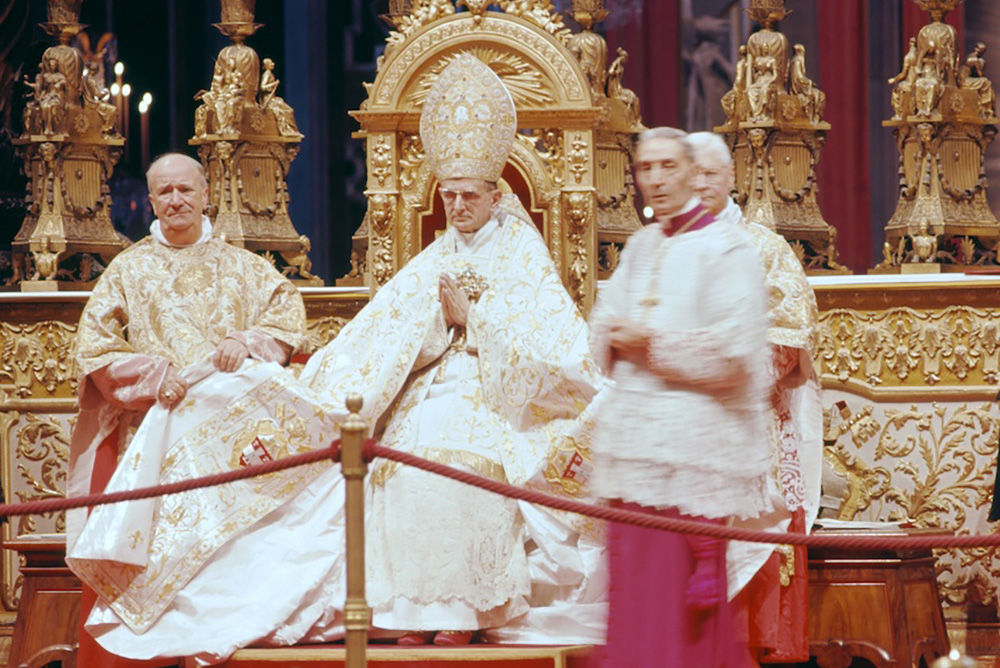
468 122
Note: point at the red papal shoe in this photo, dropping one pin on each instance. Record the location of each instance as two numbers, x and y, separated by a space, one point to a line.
453 638
411 638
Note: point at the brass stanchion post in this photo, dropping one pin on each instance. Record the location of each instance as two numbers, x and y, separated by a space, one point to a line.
357 616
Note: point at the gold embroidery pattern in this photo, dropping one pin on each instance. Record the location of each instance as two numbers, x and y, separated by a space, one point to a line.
931 464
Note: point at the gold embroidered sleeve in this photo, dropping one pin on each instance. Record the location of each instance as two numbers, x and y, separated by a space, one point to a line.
100 337
281 313
792 312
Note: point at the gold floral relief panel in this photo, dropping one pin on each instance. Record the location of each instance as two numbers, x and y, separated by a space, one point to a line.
37 444
36 359
932 463
923 350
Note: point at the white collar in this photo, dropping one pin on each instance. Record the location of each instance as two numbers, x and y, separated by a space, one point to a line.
470 243
156 231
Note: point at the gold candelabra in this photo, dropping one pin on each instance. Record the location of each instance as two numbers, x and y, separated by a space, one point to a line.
943 120
776 131
247 139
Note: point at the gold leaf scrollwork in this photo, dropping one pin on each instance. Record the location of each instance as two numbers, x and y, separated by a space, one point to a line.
540 12
411 157
381 213
577 213
954 345
578 158
524 81
938 464
381 160
38 356
42 455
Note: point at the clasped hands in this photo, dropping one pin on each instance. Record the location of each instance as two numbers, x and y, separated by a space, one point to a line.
629 341
454 302
228 357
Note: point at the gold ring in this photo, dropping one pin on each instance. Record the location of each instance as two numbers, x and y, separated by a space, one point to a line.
169 395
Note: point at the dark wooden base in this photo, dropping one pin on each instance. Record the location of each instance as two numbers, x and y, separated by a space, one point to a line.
879 606
49 610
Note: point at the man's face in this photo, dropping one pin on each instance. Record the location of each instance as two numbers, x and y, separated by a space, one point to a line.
713 181
663 173
468 202
178 195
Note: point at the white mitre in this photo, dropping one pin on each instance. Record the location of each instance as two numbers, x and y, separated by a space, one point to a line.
468 123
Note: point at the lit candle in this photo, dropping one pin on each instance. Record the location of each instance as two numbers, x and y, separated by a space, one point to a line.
144 103
117 86
126 91
116 95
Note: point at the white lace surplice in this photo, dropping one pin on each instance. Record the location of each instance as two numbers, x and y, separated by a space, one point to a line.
683 444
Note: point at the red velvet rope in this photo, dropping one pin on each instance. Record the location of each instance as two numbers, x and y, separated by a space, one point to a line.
55 505
372 450
861 542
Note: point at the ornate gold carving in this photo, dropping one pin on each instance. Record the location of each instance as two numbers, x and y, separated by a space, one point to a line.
774 125
381 159
548 144
36 358
909 348
540 12
573 136
543 51
41 442
523 80
247 138
578 157
381 209
616 90
410 159
424 12
69 145
578 214
932 464
943 121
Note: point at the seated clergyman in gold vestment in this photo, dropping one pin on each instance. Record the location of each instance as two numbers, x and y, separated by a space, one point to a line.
175 299
473 355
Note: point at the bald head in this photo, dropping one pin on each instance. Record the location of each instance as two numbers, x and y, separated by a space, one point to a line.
174 161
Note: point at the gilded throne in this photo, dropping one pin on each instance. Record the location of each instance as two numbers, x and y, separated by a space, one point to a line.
570 165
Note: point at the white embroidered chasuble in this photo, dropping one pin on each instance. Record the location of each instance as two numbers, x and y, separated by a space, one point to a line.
475 538
681 442
169 595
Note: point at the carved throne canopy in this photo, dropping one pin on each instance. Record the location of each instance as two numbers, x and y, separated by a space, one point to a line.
571 162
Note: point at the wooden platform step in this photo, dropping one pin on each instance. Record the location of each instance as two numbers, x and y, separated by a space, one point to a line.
391 656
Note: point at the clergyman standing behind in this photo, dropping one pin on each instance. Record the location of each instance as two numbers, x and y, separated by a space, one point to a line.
680 328
772 613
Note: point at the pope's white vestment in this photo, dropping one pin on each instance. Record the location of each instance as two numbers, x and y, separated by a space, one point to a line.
261 562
